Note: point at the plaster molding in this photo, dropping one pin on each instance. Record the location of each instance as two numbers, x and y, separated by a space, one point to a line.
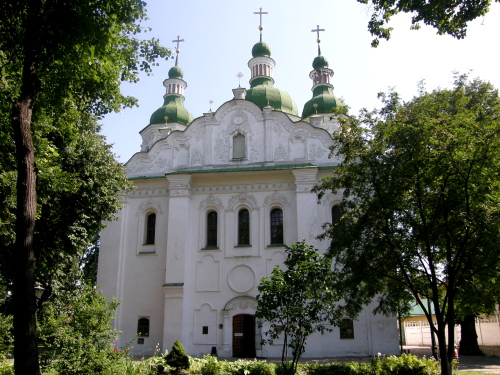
276 197
240 199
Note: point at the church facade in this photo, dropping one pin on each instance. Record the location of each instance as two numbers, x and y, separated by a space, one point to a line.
217 199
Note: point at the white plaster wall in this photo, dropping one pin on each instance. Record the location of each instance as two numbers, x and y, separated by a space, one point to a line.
180 285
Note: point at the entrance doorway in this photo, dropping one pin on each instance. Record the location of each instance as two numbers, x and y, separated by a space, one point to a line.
244 336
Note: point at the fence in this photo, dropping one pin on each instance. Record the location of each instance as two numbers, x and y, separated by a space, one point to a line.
417 332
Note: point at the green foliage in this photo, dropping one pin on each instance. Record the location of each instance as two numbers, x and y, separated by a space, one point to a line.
178 358
421 202
209 365
406 364
298 301
6 335
77 334
448 17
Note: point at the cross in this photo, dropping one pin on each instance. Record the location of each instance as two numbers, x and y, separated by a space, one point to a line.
177 50
239 75
318 40
260 13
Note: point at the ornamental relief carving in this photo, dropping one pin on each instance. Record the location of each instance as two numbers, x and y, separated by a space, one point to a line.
179 192
199 133
149 203
211 200
278 126
280 153
144 163
241 108
242 198
304 186
316 152
276 197
197 158
242 303
222 148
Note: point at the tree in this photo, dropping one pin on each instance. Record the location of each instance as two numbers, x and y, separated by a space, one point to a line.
476 297
76 331
448 17
421 201
178 358
298 301
55 54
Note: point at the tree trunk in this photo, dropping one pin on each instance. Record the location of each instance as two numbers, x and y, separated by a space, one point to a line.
468 340
25 337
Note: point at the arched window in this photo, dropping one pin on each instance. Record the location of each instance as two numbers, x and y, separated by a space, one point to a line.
276 226
212 229
243 227
347 329
337 213
143 327
150 229
239 151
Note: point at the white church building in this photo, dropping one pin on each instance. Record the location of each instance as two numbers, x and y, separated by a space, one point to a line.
216 200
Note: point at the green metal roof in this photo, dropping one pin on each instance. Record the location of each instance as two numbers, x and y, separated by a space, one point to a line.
320 62
175 72
246 169
173 107
324 100
261 49
265 94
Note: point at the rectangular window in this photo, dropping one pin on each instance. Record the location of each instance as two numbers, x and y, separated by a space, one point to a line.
150 229
347 329
243 227
212 229
276 226
143 327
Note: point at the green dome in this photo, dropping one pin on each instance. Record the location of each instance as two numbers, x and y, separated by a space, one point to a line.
278 99
325 102
175 72
320 62
261 49
173 107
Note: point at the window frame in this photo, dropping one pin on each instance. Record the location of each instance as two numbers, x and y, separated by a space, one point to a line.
280 227
347 329
246 228
140 327
244 147
150 227
212 230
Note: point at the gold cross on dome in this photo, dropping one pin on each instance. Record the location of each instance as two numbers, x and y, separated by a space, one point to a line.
260 13
177 49
318 39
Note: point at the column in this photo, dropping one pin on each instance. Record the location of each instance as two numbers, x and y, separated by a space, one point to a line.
177 242
305 179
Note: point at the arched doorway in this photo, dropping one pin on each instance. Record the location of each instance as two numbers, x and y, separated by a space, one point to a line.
244 336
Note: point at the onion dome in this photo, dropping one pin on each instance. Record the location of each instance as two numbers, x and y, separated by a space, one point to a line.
320 62
261 49
172 111
175 72
262 91
323 100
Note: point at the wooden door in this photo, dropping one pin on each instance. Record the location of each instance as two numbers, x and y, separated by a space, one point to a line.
244 336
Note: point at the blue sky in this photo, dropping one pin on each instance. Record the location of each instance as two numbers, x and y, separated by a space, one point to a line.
219 36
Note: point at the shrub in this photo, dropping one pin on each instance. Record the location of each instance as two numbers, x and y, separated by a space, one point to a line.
178 358
77 334
406 364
